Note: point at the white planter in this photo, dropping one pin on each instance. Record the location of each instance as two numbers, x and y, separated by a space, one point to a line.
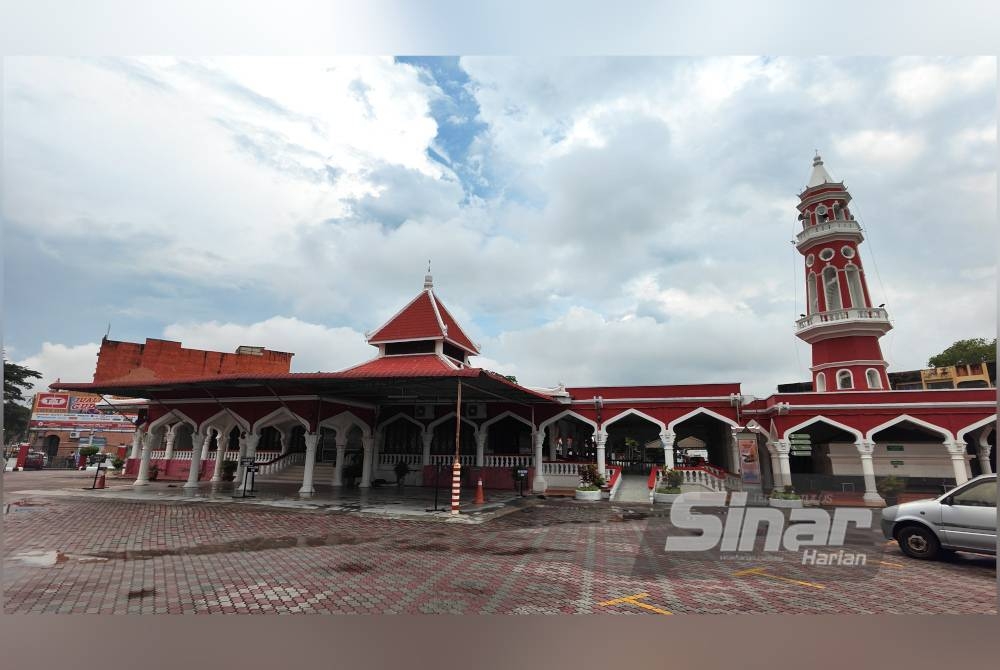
587 495
666 497
785 504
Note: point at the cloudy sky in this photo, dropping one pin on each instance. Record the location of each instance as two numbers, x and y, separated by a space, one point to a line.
589 220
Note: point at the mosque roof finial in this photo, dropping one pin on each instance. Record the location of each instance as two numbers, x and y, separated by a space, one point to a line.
819 174
428 279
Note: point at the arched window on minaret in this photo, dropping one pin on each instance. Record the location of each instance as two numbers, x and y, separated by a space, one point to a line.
821 382
845 380
874 381
831 289
854 285
811 293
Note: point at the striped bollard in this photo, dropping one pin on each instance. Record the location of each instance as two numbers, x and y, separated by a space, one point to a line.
456 485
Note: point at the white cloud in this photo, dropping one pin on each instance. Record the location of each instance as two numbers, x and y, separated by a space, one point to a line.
637 208
68 363
316 347
920 86
879 147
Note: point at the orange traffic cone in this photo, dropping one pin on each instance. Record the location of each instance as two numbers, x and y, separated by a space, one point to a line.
100 481
480 498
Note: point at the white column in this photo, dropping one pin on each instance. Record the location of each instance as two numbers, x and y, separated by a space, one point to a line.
983 452
667 441
775 467
427 437
481 438
148 442
221 442
171 435
959 461
553 436
136 443
286 440
198 443
368 452
240 470
734 453
783 448
601 437
865 450
538 484
307 473
338 468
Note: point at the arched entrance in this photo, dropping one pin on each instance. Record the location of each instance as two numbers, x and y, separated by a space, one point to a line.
916 454
509 436
705 437
823 458
633 444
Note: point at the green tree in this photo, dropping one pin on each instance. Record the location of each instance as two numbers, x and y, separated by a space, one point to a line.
16 380
975 350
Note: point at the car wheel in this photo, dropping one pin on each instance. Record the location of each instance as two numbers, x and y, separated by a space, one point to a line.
918 542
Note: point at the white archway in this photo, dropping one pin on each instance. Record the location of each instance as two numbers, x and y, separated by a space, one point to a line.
344 421
822 419
437 422
224 421
277 417
173 416
946 434
567 412
634 412
695 412
978 424
400 417
500 417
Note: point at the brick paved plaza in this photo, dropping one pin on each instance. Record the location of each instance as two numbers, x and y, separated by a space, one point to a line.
81 553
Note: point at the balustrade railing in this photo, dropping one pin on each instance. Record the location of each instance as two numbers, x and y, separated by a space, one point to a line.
448 459
843 315
820 229
280 463
391 459
506 461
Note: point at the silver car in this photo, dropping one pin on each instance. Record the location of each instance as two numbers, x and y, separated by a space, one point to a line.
963 519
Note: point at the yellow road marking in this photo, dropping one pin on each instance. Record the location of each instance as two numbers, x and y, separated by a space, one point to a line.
634 600
895 565
760 572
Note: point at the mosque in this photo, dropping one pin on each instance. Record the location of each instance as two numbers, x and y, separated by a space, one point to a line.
419 401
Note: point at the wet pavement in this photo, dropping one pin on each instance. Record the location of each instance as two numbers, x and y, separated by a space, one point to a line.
69 551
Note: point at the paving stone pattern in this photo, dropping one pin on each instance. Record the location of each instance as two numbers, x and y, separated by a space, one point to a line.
86 555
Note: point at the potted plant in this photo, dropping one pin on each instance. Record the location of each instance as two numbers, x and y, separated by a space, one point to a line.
154 470
117 464
591 482
229 470
401 470
889 488
785 498
669 486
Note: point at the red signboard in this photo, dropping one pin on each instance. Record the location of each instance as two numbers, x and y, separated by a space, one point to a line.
57 402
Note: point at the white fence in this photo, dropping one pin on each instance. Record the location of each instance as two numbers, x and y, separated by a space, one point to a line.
489 461
231 455
711 480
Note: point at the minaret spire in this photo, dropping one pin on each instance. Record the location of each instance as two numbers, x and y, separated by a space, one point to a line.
428 279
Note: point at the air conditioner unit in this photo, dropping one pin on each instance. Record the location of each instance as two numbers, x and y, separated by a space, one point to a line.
74 436
423 411
475 410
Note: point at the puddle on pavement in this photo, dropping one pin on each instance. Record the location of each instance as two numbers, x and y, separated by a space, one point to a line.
247 545
141 593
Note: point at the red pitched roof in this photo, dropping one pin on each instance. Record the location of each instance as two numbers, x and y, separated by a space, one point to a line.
424 318
401 366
